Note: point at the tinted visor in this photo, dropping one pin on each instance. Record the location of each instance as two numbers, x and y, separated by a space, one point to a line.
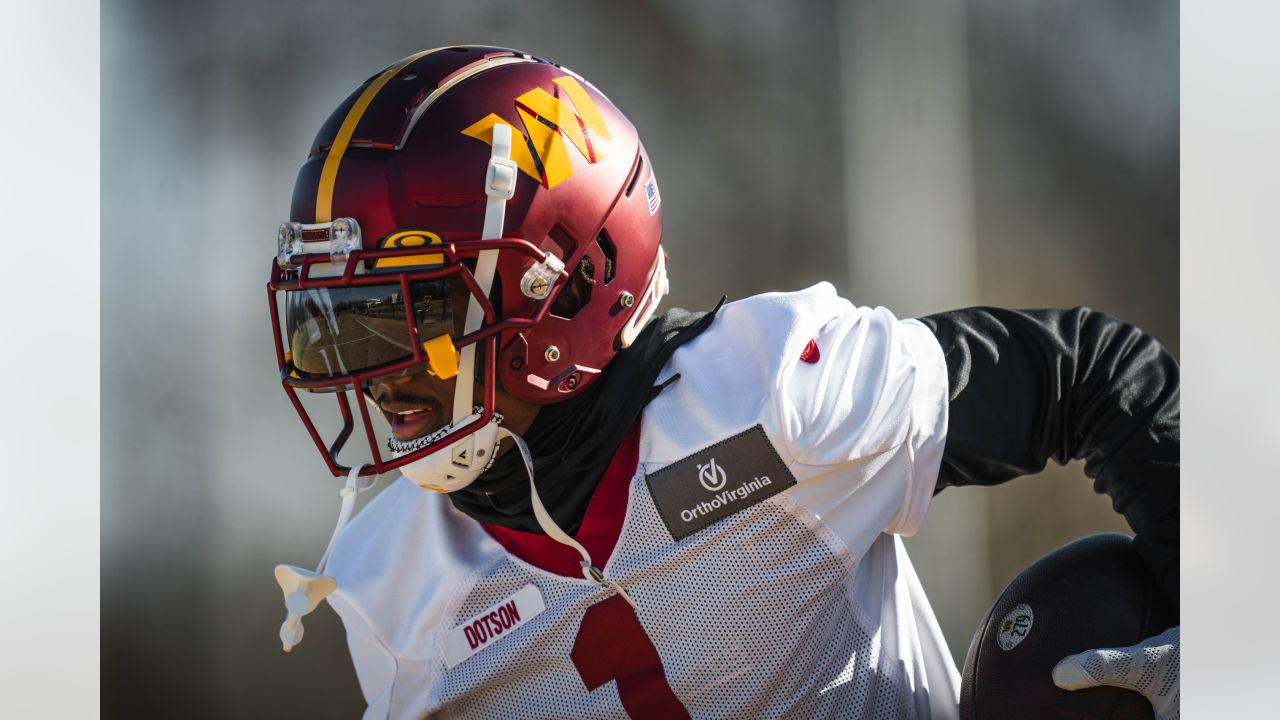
336 331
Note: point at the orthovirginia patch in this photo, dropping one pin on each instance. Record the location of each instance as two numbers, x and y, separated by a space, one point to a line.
718 481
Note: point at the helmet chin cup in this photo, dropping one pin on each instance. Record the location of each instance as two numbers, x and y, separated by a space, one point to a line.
456 465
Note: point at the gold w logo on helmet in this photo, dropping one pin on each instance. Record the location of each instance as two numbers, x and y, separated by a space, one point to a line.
548 122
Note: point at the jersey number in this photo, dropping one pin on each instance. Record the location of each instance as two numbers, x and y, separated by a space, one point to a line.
612 645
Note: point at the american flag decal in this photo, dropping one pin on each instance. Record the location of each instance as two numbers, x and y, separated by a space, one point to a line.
651 192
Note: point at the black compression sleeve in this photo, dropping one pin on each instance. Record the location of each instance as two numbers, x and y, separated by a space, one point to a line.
1029 385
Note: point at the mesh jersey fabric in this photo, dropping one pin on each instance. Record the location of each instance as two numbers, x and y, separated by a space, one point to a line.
802 605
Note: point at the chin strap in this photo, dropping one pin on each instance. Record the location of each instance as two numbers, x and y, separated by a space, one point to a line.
554 531
499 187
304 589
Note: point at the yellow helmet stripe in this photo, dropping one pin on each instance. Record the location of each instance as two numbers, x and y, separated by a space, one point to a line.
329 173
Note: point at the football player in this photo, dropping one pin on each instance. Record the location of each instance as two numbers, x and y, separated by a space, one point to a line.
607 511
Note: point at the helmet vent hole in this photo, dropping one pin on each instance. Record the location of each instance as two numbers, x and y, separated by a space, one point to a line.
635 176
610 256
576 293
587 270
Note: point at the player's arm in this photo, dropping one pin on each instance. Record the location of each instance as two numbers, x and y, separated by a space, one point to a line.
1030 385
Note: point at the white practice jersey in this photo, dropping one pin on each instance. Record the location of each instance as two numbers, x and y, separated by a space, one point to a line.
759 543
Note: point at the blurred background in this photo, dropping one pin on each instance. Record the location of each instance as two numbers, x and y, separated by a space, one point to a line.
919 155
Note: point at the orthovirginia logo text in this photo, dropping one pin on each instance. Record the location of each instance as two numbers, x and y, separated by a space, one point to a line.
723 498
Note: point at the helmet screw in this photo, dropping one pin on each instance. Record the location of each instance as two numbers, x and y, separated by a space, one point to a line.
517 362
552 354
538 287
626 299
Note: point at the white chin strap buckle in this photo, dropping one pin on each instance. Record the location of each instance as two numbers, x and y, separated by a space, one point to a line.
500 178
304 589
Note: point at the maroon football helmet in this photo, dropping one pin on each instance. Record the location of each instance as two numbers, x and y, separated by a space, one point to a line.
471 179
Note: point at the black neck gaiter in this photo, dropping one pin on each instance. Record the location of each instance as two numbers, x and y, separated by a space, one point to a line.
572 442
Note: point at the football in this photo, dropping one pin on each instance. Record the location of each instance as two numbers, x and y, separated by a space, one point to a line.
1092 593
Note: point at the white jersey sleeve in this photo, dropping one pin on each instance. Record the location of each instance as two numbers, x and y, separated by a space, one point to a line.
867 419
861 421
